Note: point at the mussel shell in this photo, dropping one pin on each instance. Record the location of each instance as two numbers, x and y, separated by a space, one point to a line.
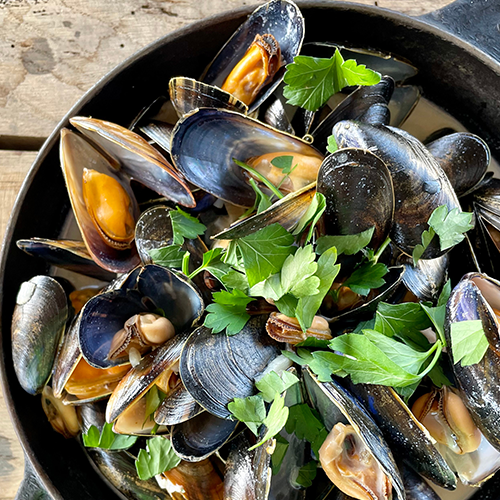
352 180
76 154
407 437
479 384
140 378
199 437
188 94
415 487
236 136
177 407
275 115
285 212
137 158
464 157
38 322
67 254
420 185
488 196
426 279
215 369
67 358
280 18
392 281
159 132
118 467
335 404
403 102
155 288
358 106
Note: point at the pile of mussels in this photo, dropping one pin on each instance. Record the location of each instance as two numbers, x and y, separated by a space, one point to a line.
105 347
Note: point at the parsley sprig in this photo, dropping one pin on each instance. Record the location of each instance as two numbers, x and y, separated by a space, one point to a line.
311 81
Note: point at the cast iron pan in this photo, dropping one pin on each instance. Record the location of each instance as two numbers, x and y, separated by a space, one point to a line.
456 51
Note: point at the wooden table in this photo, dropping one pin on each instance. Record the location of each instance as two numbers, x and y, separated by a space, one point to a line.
51 52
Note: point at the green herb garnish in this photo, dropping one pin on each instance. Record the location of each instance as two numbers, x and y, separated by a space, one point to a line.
158 457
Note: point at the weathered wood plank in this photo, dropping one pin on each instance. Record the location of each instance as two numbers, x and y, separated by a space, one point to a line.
51 51
14 166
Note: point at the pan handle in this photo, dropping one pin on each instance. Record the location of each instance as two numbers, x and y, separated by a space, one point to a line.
31 488
475 21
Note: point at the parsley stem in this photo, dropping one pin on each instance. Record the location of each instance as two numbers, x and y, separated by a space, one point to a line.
286 176
185 264
381 249
261 178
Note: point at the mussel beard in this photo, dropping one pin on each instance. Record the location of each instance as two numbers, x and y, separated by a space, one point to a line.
350 465
255 69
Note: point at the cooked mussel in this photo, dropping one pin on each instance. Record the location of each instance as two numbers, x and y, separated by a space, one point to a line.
280 19
38 322
352 179
217 368
355 456
476 297
152 289
244 139
420 185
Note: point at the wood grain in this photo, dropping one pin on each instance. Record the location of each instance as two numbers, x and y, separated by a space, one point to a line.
51 52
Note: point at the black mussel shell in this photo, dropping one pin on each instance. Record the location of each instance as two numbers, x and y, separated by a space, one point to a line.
352 180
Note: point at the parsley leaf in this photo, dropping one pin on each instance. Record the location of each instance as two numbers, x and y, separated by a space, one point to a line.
311 216
262 201
158 457
332 145
272 383
234 279
250 410
279 453
228 312
306 425
107 439
468 341
185 226
347 244
154 398
283 162
213 264
170 256
400 319
419 250
265 251
307 473
366 277
275 420
450 226
311 81
326 272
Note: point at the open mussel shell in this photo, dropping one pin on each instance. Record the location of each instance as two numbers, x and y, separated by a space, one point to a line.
407 437
416 488
420 185
477 297
335 404
426 279
137 158
76 155
366 103
351 180
142 377
286 212
464 157
177 407
159 132
188 94
403 102
279 18
215 369
67 254
155 288
237 136
199 437
275 115
38 322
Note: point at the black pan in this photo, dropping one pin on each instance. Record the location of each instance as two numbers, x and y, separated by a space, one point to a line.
456 50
